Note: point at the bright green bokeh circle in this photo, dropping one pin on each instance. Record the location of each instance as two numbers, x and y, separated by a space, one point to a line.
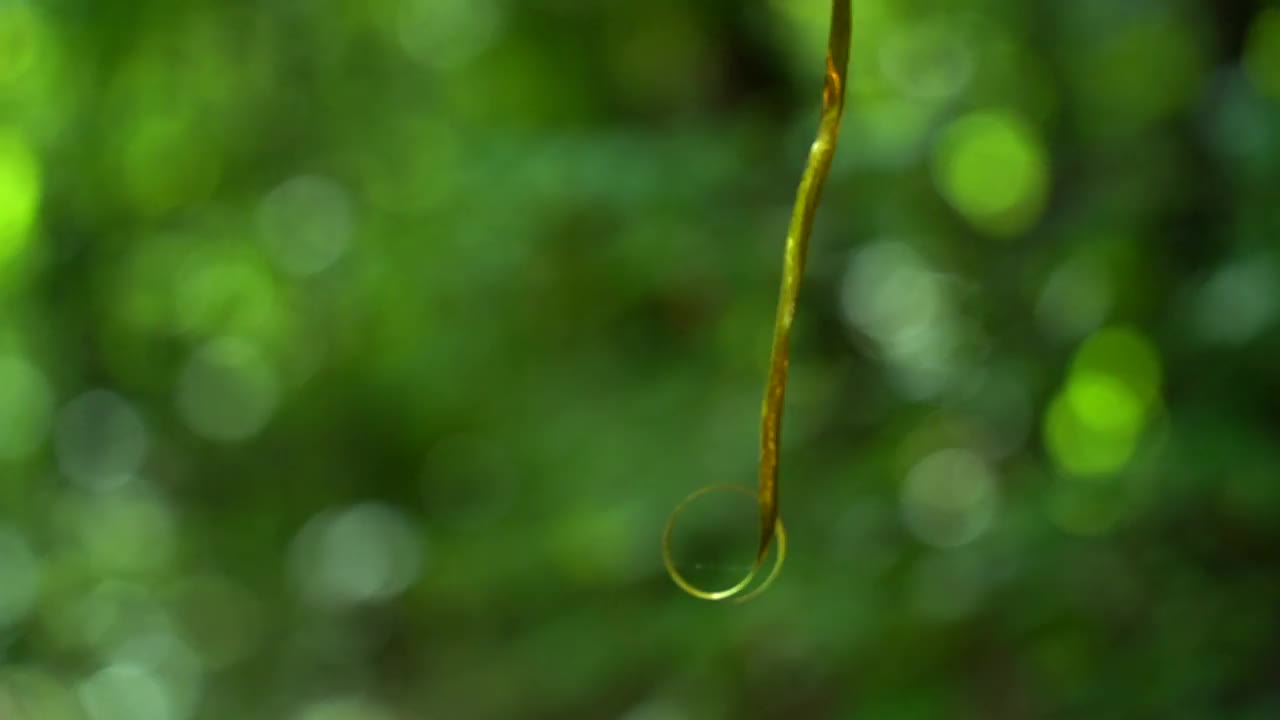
1082 446
992 168
19 192
1093 426
1124 354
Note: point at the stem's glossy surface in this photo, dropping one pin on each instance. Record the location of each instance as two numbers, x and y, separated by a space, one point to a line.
807 198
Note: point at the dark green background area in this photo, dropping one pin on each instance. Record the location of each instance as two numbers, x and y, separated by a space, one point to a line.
352 355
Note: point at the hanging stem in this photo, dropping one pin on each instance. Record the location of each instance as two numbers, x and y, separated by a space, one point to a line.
797 246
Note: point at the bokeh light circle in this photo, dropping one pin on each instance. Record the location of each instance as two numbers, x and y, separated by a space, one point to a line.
20 190
306 223
1092 427
949 498
993 169
126 692
101 441
20 575
227 392
365 553
26 407
445 34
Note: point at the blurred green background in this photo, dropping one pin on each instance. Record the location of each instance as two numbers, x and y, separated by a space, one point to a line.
352 355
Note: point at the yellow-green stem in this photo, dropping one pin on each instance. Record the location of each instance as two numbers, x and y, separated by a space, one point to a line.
797 248
807 198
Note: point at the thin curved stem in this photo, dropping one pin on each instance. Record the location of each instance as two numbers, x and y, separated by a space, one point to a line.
808 196
797 246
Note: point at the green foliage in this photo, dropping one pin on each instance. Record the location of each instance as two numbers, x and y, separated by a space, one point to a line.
352 355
